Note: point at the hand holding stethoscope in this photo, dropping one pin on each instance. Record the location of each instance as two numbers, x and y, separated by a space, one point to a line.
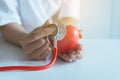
38 35
55 32
35 44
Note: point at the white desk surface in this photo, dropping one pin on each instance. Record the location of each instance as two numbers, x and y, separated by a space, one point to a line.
100 62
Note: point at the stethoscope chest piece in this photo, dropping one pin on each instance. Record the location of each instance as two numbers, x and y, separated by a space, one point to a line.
60 30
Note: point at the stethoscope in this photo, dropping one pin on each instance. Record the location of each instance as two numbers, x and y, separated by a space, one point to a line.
56 36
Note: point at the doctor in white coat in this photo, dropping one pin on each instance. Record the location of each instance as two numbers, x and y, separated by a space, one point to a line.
19 19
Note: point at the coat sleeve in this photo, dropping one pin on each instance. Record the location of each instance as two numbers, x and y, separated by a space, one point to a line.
9 12
70 8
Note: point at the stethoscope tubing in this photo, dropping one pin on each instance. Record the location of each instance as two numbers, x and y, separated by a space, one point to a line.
32 68
55 52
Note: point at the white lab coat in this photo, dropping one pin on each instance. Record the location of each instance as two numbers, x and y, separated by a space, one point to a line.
33 13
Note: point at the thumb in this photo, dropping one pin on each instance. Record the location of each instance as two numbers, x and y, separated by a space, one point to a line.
49 30
47 23
45 30
35 35
40 32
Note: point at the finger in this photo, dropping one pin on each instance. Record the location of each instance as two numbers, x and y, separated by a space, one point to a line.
78 54
33 46
48 40
79 47
72 55
39 51
65 57
43 32
29 39
80 34
47 23
79 57
44 54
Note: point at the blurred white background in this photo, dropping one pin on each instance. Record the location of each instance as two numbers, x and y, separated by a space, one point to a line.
100 18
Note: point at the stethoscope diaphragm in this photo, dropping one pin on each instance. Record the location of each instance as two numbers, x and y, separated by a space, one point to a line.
60 30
